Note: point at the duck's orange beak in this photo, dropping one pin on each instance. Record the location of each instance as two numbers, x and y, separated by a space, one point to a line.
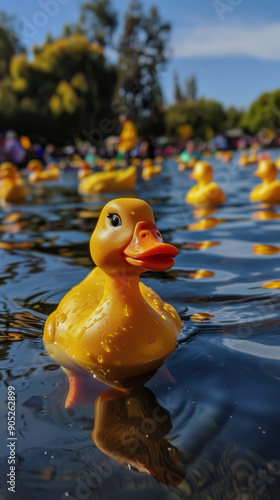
147 249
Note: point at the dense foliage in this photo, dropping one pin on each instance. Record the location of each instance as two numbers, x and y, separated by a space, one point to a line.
66 88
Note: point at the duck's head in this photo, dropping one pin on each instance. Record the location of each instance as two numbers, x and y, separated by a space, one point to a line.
202 172
266 170
34 166
127 242
8 170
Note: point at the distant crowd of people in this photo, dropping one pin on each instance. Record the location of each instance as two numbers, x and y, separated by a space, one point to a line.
20 150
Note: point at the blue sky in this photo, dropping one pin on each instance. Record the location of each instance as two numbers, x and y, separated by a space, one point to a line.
231 46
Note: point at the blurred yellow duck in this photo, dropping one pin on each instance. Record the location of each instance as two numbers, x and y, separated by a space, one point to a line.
185 165
110 165
118 180
206 193
149 170
83 169
37 174
12 187
245 159
227 156
269 190
109 323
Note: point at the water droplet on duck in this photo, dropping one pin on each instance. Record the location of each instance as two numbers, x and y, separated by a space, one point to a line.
81 333
152 339
105 346
125 311
118 363
163 317
99 358
62 318
156 302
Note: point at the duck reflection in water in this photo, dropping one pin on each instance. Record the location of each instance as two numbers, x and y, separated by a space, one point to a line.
130 425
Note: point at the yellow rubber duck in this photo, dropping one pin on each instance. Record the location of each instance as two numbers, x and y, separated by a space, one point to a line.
110 323
37 174
206 193
183 165
12 188
149 170
269 190
159 159
136 161
83 169
245 159
227 156
110 165
119 180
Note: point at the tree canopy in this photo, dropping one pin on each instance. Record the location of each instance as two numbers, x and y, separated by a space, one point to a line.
66 87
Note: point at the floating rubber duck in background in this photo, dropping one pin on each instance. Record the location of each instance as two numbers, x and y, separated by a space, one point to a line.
184 165
226 156
250 159
83 169
136 161
186 160
111 324
206 193
37 174
159 159
149 170
269 190
12 187
110 165
100 182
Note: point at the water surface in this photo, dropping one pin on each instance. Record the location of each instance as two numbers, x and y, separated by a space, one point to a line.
209 425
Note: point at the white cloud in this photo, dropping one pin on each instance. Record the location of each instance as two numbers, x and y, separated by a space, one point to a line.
262 42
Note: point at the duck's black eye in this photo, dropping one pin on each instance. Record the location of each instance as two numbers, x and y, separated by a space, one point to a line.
115 220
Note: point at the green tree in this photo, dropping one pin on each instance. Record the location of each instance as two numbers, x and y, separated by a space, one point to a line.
142 54
66 89
191 88
202 115
177 88
264 112
99 21
233 118
9 43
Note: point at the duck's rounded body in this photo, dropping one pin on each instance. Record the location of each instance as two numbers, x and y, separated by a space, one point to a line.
119 180
37 174
110 323
205 193
12 187
269 190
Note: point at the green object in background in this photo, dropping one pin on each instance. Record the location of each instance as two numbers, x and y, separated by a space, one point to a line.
184 156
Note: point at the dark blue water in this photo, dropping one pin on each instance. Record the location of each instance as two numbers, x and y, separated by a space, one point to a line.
206 428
